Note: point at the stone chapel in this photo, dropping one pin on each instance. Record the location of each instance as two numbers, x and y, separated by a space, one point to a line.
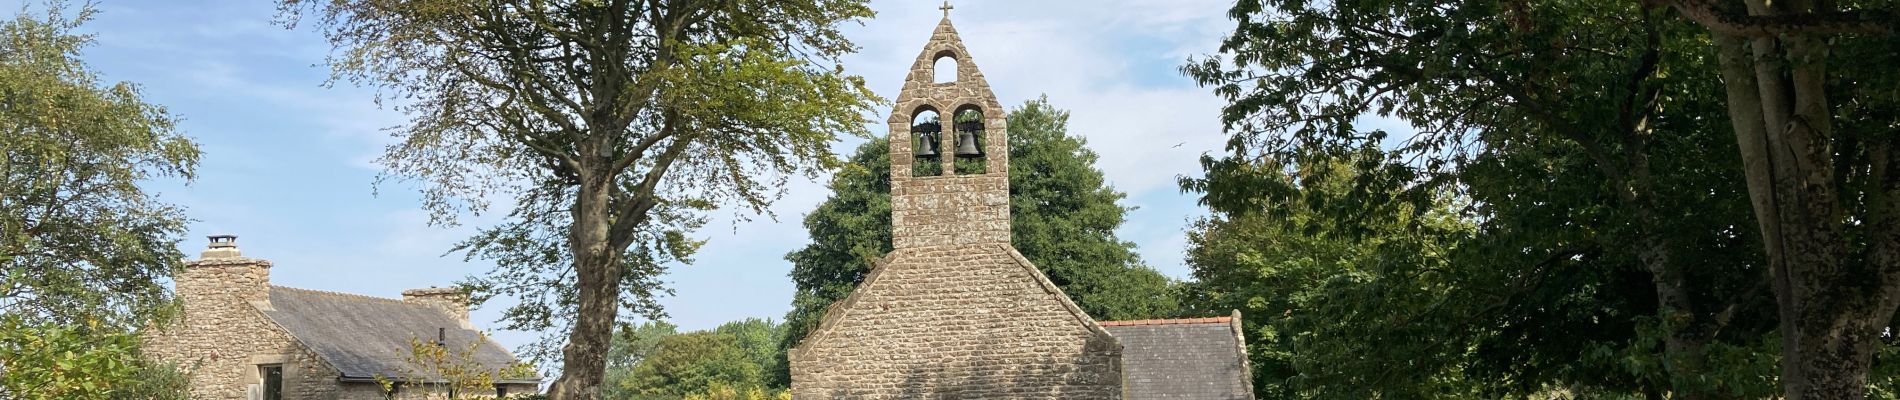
955 312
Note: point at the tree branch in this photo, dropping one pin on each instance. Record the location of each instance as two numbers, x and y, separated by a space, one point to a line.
1705 12
668 126
635 212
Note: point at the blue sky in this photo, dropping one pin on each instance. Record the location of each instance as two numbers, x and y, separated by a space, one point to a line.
287 161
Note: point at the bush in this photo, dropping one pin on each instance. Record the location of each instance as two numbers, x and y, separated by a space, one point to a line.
81 362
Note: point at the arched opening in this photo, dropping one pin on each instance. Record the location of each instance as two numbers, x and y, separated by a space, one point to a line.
945 69
926 142
972 158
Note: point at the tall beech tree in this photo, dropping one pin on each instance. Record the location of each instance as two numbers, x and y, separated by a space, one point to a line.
615 125
1614 83
1063 219
80 241
1815 108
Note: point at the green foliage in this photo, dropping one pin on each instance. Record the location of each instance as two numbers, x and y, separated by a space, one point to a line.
689 363
81 362
1331 314
79 240
633 343
1063 217
438 370
758 340
153 380
615 127
734 361
720 391
1608 249
83 250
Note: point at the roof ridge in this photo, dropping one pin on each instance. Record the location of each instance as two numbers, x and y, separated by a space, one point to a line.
1175 321
346 295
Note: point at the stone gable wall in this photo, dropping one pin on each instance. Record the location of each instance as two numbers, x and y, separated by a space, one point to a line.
221 337
957 322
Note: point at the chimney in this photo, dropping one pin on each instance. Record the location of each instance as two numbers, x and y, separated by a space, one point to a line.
222 276
449 300
222 246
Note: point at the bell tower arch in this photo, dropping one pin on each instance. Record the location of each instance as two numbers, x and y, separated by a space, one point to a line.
949 152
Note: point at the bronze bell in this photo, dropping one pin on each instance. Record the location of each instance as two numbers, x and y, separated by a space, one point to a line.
926 145
966 145
926 138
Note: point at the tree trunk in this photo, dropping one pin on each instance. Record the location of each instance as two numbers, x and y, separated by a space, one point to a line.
1832 309
1689 330
597 274
1683 349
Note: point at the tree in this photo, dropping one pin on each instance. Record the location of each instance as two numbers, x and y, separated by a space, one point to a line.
80 361
1331 313
437 370
1063 218
1585 136
759 340
633 344
1518 303
614 125
732 361
724 392
1827 200
79 240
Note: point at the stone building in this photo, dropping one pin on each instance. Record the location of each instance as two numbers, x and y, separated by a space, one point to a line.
955 312
241 338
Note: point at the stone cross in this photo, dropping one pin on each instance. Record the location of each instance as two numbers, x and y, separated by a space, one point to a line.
946 8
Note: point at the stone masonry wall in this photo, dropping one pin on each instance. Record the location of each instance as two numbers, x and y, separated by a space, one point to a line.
950 210
957 322
221 338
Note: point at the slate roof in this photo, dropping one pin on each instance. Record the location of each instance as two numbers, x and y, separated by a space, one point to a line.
366 337
1197 358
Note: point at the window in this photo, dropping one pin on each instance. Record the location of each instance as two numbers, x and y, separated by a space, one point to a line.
501 391
944 70
273 381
